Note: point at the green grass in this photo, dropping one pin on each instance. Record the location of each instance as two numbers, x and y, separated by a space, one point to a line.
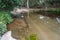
31 37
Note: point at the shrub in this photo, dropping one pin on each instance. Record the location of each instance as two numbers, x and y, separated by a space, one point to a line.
5 18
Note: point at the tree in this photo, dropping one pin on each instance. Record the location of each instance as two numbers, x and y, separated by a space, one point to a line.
33 2
10 4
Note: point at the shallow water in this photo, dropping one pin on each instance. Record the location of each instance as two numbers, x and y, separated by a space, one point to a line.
46 28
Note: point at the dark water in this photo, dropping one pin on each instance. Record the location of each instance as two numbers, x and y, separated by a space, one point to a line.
49 14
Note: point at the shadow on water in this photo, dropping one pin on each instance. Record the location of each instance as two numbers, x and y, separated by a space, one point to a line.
49 14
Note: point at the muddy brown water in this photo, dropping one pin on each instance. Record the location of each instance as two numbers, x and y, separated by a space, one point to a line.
18 28
46 29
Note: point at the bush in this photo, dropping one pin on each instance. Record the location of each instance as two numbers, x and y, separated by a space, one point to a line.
9 4
31 37
5 18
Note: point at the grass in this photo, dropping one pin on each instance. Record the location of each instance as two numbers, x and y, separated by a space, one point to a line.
31 37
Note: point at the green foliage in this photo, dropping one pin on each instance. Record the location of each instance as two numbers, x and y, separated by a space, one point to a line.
3 28
9 4
55 11
31 37
5 18
33 2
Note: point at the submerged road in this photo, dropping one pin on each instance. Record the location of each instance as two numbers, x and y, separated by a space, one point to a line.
46 29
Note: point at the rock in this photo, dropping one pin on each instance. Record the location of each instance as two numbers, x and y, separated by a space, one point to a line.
7 36
41 17
58 19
